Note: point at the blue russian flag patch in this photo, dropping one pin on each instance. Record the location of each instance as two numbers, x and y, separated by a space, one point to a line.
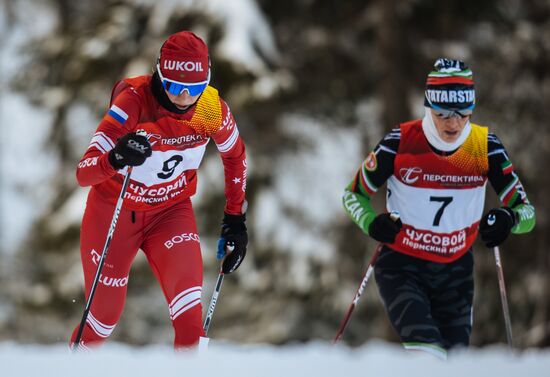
118 114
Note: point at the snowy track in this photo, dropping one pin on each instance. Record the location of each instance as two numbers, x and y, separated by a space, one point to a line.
315 359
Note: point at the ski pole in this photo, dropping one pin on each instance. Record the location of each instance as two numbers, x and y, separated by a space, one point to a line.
394 216
101 262
213 302
358 294
215 294
204 340
503 297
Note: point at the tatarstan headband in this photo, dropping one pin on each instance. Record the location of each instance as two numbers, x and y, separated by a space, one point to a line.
455 97
450 86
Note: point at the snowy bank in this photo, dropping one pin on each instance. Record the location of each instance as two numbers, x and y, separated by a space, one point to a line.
315 359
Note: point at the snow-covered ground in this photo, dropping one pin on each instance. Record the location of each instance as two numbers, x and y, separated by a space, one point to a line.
314 359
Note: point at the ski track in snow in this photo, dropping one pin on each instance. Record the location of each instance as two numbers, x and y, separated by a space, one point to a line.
316 359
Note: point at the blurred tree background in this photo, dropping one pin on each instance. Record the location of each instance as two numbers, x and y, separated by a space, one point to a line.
313 85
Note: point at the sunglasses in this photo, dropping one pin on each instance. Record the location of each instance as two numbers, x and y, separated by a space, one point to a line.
177 88
447 114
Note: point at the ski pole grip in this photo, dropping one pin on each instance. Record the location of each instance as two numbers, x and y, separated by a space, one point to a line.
229 247
141 132
394 215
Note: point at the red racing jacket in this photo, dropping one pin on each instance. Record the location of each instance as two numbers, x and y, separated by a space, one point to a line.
178 145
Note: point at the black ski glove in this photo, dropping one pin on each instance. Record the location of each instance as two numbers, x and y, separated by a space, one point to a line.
384 229
496 225
130 150
233 242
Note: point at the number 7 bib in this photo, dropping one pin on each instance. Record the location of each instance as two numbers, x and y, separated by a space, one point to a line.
440 198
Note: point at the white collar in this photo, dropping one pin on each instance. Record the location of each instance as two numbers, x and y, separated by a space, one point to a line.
432 135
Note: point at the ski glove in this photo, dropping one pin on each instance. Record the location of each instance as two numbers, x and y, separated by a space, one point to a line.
384 229
130 150
232 243
496 225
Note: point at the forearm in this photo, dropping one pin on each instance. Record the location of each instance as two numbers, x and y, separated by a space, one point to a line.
372 174
94 168
508 186
359 209
235 171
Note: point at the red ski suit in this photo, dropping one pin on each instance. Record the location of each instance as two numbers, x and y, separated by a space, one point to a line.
157 214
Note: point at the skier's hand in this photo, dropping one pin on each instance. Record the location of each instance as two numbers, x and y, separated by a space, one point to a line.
384 228
233 242
496 225
130 150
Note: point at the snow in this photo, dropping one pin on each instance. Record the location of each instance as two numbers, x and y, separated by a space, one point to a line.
252 28
23 158
247 41
28 166
246 31
299 185
70 212
318 359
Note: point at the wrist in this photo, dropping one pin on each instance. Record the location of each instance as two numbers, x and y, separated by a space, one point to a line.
366 220
513 215
230 219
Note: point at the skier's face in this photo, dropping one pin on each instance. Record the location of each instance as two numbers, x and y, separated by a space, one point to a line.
182 101
449 129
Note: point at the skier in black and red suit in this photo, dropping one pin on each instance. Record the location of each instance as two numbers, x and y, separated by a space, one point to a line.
437 169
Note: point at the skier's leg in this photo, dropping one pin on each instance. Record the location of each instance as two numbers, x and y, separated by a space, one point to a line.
407 302
452 301
110 294
172 247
